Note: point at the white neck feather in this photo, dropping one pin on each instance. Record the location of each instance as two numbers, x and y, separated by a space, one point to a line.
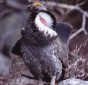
43 28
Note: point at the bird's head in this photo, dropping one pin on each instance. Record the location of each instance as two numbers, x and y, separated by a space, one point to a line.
43 19
40 25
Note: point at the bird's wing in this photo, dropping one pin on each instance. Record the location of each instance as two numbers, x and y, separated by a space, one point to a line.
63 30
16 48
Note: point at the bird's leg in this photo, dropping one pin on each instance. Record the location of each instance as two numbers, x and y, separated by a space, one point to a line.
41 82
53 80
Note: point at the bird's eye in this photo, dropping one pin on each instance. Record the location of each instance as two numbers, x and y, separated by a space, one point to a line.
43 21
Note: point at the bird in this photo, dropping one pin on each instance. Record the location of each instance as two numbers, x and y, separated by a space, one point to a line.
42 45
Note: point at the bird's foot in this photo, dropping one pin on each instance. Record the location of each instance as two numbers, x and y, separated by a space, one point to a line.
41 82
53 80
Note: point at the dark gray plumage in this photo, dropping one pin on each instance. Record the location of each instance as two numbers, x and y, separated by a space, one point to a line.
41 51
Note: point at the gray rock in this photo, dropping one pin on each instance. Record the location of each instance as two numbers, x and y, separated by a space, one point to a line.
73 81
5 64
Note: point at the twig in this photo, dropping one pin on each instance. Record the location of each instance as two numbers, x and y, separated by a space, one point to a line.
82 3
81 29
14 4
65 6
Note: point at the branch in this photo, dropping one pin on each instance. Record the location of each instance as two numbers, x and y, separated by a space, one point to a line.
81 29
82 3
65 6
16 5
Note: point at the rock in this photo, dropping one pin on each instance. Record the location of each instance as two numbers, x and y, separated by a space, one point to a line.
73 81
5 64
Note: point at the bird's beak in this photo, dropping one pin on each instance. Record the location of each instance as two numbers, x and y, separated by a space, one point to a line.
36 6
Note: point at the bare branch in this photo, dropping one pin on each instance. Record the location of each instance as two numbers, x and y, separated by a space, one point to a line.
81 29
66 6
82 3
